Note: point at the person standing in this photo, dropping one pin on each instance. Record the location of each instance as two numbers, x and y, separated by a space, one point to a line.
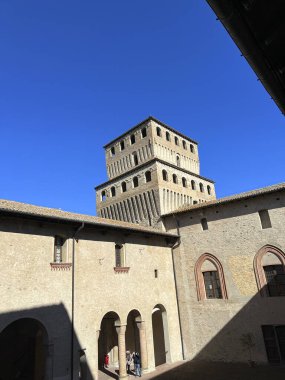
137 362
128 361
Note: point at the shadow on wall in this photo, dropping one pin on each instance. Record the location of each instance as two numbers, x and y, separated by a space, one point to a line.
35 344
238 350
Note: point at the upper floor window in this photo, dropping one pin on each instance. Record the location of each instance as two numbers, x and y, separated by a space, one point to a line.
103 196
178 160
112 151
124 187
176 140
158 131
58 244
119 255
133 139
143 132
135 158
148 176
184 182
210 280
184 144
209 190
164 175
191 148
201 187
193 185
174 178
167 135
269 268
113 191
135 182
264 219
122 145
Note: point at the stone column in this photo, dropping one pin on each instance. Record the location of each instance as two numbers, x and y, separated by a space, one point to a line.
144 361
121 330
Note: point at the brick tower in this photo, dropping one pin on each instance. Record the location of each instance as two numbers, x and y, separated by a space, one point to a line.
152 169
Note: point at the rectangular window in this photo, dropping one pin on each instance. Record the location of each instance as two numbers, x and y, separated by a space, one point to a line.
274 340
264 219
204 224
58 244
275 279
155 273
120 256
212 284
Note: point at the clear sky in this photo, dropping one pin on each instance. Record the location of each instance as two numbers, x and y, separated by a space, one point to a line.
75 74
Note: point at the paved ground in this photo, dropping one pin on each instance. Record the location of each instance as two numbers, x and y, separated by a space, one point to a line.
207 371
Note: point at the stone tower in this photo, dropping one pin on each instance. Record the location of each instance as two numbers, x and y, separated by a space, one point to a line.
153 169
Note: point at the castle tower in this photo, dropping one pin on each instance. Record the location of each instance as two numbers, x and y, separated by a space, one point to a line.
152 169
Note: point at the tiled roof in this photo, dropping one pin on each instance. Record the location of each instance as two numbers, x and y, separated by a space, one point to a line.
232 198
24 209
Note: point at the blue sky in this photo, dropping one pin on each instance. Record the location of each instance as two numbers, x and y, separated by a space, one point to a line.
74 75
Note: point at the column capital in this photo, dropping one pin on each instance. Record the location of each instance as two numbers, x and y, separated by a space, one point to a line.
121 329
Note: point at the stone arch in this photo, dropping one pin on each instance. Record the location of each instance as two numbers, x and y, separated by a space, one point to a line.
161 344
193 185
108 339
132 331
200 285
164 175
24 350
258 266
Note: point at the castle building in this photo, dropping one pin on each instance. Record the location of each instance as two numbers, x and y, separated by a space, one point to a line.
152 169
188 277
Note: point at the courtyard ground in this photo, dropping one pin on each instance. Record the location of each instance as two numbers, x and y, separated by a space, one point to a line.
204 371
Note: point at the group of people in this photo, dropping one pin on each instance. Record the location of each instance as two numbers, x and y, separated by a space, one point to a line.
133 358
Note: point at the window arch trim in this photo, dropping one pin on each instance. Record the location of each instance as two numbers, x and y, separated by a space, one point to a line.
258 268
200 286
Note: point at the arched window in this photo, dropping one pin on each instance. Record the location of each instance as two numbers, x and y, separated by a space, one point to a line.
184 182
176 140
191 148
119 255
103 196
201 186
158 131
124 187
135 158
184 144
122 145
112 151
178 160
135 182
269 268
210 280
143 132
167 135
164 175
133 139
193 185
147 176
209 190
113 191
174 178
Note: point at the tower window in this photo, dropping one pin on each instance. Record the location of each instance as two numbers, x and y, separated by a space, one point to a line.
174 178
167 135
158 131
201 187
103 196
264 219
112 151
176 140
58 244
155 273
135 182
135 158
204 224
113 191
209 190
124 187
184 144
133 139
184 182
191 148
119 255
148 176
164 175
143 132
193 185
178 160
122 145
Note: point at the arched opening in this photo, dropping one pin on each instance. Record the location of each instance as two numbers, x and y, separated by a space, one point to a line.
108 340
124 187
184 182
135 182
201 186
167 135
160 336
143 132
193 185
147 176
132 332
122 145
176 140
184 144
164 175
23 347
135 158
209 190
113 191
133 139
158 131
178 160
103 196
174 178
191 148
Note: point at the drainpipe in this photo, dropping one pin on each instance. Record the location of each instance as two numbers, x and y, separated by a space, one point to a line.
173 247
72 296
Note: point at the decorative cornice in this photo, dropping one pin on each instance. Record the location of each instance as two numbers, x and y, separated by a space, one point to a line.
121 269
60 266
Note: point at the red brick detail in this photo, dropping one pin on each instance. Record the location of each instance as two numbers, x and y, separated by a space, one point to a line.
200 286
121 269
258 268
60 266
